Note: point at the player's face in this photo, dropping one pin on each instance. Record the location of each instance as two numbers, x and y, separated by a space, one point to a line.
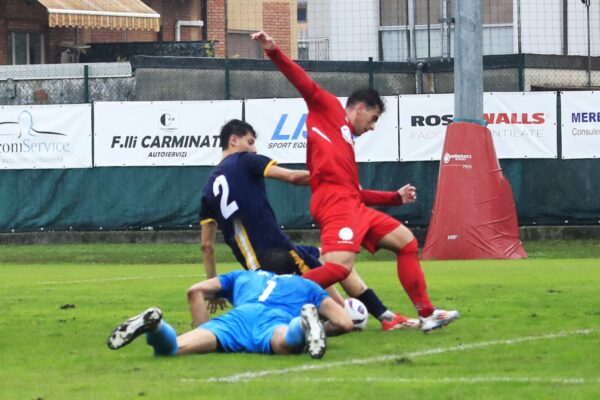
245 143
366 118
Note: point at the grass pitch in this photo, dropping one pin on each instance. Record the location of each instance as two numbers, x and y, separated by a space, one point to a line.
528 329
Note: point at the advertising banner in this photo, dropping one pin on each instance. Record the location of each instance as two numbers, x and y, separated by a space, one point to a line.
46 136
423 122
280 125
165 133
580 120
522 125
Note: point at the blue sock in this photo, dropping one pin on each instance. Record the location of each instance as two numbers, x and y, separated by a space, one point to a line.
163 339
294 335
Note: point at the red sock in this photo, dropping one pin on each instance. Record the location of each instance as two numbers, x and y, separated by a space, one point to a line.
412 278
327 274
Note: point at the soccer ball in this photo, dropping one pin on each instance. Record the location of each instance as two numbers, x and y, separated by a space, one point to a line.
357 312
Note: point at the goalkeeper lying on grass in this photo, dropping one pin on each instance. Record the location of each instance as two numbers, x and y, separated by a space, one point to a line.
271 314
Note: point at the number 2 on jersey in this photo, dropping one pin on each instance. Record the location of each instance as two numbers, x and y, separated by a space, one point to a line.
221 184
265 294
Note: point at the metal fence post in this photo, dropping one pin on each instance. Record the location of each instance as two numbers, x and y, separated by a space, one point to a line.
227 82
589 44
370 71
86 84
521 71
468 61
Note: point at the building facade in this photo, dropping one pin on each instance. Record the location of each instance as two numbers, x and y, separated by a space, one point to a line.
57 31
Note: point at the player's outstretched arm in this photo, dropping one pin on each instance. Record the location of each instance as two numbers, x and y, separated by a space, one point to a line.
197 294
406 194
293 176
292 71
264 39
338 320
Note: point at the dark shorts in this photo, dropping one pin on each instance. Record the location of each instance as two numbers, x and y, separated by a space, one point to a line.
308 258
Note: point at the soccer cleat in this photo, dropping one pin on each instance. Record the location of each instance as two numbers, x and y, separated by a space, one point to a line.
437 319
124 334
314 333
399 322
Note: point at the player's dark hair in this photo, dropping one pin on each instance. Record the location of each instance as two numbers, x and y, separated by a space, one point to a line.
369 96
234 127
279 261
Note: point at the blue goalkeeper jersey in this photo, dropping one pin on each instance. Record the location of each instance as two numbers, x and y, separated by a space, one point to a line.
235 197
284 292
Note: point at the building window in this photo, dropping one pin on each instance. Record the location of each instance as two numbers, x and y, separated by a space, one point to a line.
302 6
303 53
25 48
395 12
239 46
313 49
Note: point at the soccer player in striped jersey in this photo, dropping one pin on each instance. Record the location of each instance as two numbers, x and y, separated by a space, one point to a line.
234 199
338 203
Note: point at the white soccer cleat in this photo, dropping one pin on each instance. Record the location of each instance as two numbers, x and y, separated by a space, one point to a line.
314 333
127 331
437 319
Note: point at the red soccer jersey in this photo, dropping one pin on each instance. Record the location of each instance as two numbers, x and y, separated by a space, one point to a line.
330 146
330 149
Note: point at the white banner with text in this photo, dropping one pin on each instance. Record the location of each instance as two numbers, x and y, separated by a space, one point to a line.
580 120
522 125
280 125
166 133
46 136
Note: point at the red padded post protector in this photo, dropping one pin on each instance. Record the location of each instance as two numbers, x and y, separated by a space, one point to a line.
474 214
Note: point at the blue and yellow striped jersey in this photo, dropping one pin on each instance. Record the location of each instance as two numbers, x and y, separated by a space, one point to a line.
235 198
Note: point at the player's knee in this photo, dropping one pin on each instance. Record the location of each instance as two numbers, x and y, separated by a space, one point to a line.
410 247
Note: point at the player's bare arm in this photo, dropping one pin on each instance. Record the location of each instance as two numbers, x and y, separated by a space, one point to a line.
197 294
338 321
208 236
295 177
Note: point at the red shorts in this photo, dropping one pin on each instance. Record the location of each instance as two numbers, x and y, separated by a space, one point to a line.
349 225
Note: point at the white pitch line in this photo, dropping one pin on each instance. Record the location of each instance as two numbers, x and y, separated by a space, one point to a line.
247 376
465 380
126 278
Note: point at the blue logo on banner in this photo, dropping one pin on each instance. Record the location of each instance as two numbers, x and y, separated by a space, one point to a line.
279 134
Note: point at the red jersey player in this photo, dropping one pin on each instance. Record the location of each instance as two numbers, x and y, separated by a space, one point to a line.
338 204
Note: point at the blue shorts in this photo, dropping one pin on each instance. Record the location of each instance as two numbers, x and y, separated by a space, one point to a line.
247 328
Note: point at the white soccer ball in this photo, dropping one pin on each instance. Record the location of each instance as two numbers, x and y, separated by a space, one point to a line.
357 312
